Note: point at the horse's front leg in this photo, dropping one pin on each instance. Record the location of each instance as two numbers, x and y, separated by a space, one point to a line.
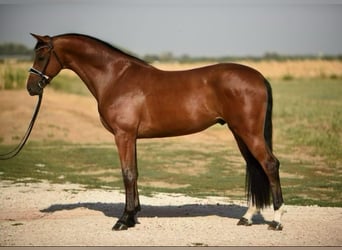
126 145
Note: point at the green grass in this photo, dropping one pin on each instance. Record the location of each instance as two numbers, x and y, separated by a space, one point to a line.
60 162
13 78
69 83
308 120
98 165
307 140
309 113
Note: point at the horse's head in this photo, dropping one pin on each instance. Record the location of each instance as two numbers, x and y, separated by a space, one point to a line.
46 65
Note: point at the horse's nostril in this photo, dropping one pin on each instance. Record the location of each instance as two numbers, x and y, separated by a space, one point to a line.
30 90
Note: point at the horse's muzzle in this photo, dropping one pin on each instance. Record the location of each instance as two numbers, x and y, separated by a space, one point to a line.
34 90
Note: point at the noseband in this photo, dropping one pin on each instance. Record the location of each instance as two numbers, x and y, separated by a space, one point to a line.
45 78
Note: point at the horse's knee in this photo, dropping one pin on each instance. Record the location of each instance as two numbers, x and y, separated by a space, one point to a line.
129 175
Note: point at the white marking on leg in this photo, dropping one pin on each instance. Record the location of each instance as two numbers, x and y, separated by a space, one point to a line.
252 210
278 213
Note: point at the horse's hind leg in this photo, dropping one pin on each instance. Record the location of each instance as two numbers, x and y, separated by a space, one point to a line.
246 219
256 146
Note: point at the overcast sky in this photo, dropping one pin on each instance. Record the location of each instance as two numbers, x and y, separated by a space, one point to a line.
193 27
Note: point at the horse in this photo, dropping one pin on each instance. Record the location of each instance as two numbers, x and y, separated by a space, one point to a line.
136 100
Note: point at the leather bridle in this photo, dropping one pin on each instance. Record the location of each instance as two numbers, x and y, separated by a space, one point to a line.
45 79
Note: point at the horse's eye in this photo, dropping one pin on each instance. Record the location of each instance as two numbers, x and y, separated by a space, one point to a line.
40 58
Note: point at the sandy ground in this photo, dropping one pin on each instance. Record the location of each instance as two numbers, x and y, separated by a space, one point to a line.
69 215
44 214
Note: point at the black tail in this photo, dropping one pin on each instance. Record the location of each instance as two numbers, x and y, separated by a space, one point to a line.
257 183
268 130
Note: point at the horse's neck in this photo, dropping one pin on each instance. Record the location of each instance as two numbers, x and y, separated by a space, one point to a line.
97 67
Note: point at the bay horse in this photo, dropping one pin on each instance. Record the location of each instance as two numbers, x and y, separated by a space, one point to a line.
136 100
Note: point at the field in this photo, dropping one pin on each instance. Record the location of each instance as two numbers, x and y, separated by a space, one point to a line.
65 187
68 143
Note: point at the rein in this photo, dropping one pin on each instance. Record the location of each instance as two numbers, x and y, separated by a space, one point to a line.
44 80
18 148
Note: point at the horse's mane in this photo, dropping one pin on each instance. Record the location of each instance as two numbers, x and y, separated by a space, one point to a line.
106 44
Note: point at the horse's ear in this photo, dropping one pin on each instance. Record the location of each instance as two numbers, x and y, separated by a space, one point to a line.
44 39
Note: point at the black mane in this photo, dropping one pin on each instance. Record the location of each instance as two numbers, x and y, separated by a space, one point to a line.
108 45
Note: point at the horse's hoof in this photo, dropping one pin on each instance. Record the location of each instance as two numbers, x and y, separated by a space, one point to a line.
276 226
244 222
119 226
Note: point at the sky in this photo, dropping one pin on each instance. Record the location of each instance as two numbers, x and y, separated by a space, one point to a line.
192 27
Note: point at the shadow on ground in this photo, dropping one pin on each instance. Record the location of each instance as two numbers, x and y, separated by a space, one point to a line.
190 210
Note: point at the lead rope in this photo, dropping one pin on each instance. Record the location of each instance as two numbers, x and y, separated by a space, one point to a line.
18 148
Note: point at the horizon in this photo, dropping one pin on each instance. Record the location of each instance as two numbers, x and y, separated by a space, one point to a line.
197 28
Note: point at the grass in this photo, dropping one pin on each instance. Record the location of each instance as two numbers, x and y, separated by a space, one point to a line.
68 82
12 78
98 165
307 140
309 113
308 122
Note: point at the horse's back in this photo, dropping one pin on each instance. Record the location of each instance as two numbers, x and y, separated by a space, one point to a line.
216 76
184 102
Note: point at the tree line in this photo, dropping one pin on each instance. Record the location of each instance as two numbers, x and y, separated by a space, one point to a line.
14 49
21 51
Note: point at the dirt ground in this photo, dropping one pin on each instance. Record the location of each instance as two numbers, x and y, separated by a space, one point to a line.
69 215
67 117
71 118
44 214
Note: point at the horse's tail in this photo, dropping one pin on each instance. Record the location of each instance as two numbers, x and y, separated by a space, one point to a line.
268 129
257 183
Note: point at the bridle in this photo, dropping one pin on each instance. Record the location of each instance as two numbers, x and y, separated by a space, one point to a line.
45 79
